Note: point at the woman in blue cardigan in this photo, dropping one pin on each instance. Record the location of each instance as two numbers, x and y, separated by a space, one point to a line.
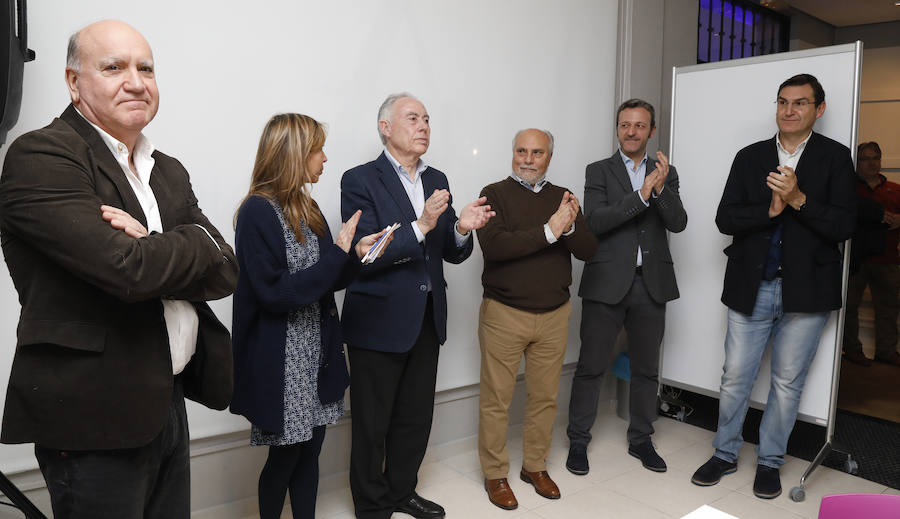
290 373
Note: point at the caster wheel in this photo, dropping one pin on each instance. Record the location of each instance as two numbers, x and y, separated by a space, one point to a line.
798 494
851 467
664 407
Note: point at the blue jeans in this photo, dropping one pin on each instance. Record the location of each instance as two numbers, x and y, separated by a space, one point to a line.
795 339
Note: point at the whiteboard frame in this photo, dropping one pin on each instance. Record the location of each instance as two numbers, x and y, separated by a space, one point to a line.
857 49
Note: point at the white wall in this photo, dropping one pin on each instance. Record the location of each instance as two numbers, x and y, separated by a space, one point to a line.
483 69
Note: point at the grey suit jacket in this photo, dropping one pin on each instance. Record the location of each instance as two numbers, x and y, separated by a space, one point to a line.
620 220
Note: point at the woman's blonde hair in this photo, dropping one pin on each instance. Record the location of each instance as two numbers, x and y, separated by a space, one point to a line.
280 172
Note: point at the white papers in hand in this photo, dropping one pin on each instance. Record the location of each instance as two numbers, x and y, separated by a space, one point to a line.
376 249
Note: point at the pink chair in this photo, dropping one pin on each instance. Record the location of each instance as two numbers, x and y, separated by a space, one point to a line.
853 506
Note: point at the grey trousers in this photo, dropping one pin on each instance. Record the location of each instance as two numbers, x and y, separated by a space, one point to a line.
645 321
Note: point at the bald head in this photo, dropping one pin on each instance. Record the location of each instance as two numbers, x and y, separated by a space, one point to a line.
111 78
92 31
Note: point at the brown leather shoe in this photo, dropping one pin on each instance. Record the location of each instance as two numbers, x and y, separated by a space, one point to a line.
543 485
500 494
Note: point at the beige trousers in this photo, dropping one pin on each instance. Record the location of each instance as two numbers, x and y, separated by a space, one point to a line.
505 333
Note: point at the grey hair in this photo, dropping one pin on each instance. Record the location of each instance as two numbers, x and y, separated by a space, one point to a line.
386 111
545 132
73 53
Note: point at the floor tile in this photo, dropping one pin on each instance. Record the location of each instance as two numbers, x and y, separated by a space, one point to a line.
598 503
435 473
670 492
332 503
745 507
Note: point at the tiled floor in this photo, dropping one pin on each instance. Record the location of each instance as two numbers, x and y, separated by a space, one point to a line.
617 486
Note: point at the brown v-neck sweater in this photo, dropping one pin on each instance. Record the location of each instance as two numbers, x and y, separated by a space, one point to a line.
521 269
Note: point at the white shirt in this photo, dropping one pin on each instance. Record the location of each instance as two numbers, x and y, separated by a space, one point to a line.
790 159
181 317
416 193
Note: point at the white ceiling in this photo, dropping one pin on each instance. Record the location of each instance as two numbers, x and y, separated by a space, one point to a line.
841 13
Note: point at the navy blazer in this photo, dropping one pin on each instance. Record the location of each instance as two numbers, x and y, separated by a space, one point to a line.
266 294
385 305
811 259
615 213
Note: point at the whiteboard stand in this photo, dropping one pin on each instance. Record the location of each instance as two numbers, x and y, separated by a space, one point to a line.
18 499
798 493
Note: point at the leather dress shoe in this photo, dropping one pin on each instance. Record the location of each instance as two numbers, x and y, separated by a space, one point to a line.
420 508
543 485
500 494
648 456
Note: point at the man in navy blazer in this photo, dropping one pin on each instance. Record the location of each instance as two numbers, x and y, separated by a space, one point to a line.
788 203
395 312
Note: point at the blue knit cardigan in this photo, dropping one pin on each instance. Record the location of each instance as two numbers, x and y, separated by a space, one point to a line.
265 295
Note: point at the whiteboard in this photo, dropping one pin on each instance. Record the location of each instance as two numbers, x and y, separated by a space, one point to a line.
717 110
483 69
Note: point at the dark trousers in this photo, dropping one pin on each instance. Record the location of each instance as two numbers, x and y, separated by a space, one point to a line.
293 468
883 279
391 405
146 482
645 321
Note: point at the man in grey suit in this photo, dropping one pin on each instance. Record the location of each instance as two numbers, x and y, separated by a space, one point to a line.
630 201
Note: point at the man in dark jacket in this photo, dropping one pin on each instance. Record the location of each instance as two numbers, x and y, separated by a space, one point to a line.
114 330
788 203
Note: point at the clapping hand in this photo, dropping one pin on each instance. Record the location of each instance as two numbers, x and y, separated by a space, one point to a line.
474 215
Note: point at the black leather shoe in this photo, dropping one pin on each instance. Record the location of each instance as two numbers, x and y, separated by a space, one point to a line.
421 508
767 484
712 471
577 462
648 456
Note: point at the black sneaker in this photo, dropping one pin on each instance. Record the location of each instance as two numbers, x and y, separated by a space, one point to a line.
767 484
577 462
712 471
648 456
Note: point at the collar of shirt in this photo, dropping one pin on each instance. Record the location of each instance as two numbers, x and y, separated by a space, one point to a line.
786 158
536 188
143 151
420 167
629 163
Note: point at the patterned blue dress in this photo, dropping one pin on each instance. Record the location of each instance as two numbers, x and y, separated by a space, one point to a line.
302 409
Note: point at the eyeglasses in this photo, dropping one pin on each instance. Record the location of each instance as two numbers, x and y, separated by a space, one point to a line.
800 103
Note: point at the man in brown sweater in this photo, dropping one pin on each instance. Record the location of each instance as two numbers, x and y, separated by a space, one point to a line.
527 250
